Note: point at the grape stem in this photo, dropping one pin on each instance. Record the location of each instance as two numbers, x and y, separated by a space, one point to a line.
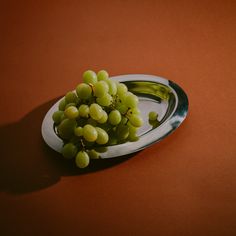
92 87
115 100
126 113
82 144
113 103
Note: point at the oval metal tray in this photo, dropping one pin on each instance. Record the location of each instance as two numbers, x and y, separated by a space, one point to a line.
155 94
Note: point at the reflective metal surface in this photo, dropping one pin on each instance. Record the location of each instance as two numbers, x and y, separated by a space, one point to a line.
155 94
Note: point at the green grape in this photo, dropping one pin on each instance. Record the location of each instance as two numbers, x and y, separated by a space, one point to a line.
84 110
93 154
57 117
63 117
131 100
66 128
90 133
83 91
69 150
102 75
71 98
82 159
135 111
112 87
103 119
132 129
136 120
105 100
100 88
121 89
133 138
124 120
122 131
78 131
114 117
106 126
132 133
71 112
95 111
89 77
112 140
122 98
100 149
154 123
69 105
62 104
102 136
152 115
92 122
122 108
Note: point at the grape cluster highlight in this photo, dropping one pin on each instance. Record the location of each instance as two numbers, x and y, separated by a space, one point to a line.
100 112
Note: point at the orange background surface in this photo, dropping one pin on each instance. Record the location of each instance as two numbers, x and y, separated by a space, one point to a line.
184 185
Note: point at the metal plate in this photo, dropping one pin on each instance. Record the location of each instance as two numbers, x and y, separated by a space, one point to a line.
155 94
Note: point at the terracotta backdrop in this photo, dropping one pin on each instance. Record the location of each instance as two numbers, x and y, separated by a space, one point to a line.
184 185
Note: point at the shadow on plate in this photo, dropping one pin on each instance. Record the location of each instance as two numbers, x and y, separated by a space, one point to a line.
28 164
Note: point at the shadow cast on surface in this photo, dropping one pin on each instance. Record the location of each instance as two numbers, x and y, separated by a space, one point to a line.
27 164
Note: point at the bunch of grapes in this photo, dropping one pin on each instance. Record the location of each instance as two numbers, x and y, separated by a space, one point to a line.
99 113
